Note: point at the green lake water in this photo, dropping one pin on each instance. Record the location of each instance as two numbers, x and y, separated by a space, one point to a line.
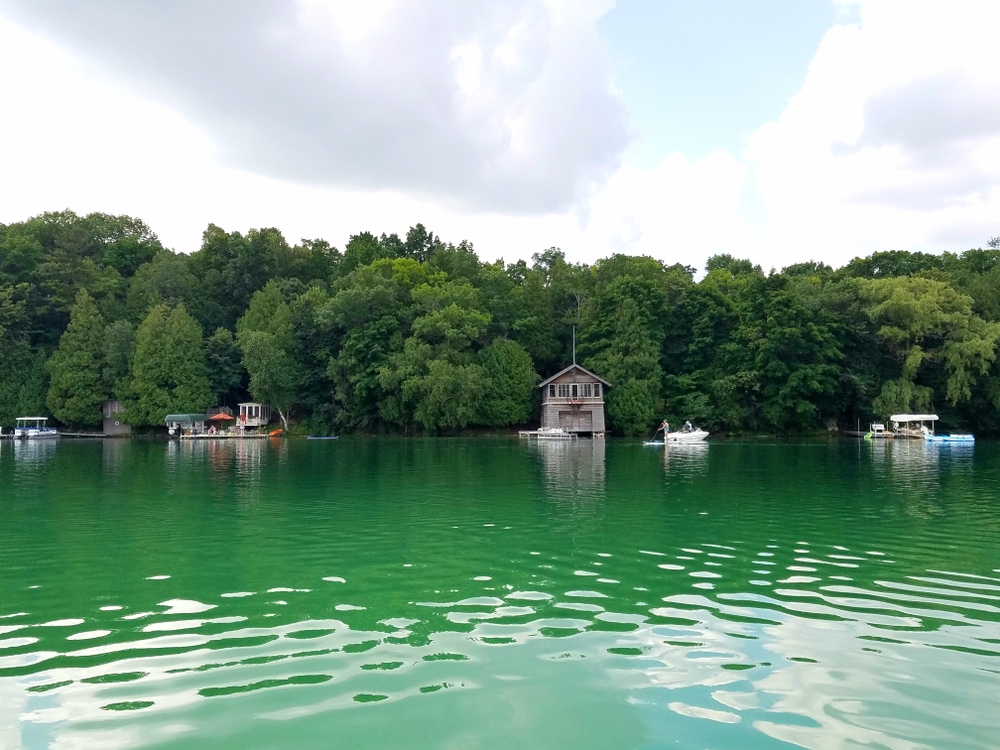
490 593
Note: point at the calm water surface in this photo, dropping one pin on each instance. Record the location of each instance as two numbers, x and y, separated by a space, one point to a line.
494 594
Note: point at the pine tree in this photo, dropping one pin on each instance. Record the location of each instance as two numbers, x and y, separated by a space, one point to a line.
511 383
76 391
168 371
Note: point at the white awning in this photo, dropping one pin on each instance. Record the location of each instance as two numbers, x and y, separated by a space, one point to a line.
903 418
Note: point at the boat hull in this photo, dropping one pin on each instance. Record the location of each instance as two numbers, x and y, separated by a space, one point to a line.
36 434
696 436
950 439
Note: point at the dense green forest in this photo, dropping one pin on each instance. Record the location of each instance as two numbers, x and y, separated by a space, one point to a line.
416 334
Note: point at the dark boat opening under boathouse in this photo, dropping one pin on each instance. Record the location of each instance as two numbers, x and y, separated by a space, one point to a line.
573 400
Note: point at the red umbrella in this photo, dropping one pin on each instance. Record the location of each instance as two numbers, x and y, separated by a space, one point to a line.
221 415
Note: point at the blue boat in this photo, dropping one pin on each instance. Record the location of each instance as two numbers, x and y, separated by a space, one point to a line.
950 438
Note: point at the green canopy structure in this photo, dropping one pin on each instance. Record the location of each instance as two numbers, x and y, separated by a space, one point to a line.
184 420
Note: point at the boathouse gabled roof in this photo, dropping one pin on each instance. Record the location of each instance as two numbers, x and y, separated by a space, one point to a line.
574 367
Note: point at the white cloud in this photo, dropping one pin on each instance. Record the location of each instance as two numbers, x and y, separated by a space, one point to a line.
892 142
492 105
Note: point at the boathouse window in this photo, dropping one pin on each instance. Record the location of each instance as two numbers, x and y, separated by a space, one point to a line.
564 390
586 390
576 391
597 390
552 390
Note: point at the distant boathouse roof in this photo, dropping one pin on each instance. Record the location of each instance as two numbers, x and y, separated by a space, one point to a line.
574 367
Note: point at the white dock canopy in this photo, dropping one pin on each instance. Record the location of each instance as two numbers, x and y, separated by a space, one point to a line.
904 418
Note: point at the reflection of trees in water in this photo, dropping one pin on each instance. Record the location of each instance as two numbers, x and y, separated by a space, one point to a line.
919 473
574 469
238 460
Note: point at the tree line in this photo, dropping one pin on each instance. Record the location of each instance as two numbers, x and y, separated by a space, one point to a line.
418 335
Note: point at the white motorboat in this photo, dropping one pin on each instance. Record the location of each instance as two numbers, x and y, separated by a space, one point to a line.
687 436
34 428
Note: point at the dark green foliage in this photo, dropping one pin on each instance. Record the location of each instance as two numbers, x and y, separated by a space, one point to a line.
168 370
891 263
511 381
119 346
76 389
735 266
363 250
222 364
417 334
628 359
420 244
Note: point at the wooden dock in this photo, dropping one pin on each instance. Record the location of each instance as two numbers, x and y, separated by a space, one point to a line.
252 436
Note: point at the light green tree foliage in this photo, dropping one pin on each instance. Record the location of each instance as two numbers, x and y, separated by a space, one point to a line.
76 390
629 360
168 371
923 321
434 380
267 339
511 380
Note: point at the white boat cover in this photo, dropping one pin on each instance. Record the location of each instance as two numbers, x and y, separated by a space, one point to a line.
903 418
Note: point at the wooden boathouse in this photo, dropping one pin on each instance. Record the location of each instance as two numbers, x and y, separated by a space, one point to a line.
573 401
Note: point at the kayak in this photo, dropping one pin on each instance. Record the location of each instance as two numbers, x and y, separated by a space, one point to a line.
322 437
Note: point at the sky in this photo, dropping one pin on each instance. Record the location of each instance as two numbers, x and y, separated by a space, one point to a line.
779 131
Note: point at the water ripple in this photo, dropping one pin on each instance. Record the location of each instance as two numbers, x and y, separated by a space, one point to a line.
735 607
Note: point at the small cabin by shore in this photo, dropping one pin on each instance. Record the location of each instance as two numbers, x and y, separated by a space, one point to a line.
573 401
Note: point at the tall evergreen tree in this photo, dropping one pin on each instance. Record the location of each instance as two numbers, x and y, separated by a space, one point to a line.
76 390
168 372
511 382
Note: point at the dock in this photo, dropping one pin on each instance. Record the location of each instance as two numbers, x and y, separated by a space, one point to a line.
547 434
221 436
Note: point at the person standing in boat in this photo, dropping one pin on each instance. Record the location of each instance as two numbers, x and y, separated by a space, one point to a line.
688 427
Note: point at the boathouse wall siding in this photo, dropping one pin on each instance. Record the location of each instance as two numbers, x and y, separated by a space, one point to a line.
577 411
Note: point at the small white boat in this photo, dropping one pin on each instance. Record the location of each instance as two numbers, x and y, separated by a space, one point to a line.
34 428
